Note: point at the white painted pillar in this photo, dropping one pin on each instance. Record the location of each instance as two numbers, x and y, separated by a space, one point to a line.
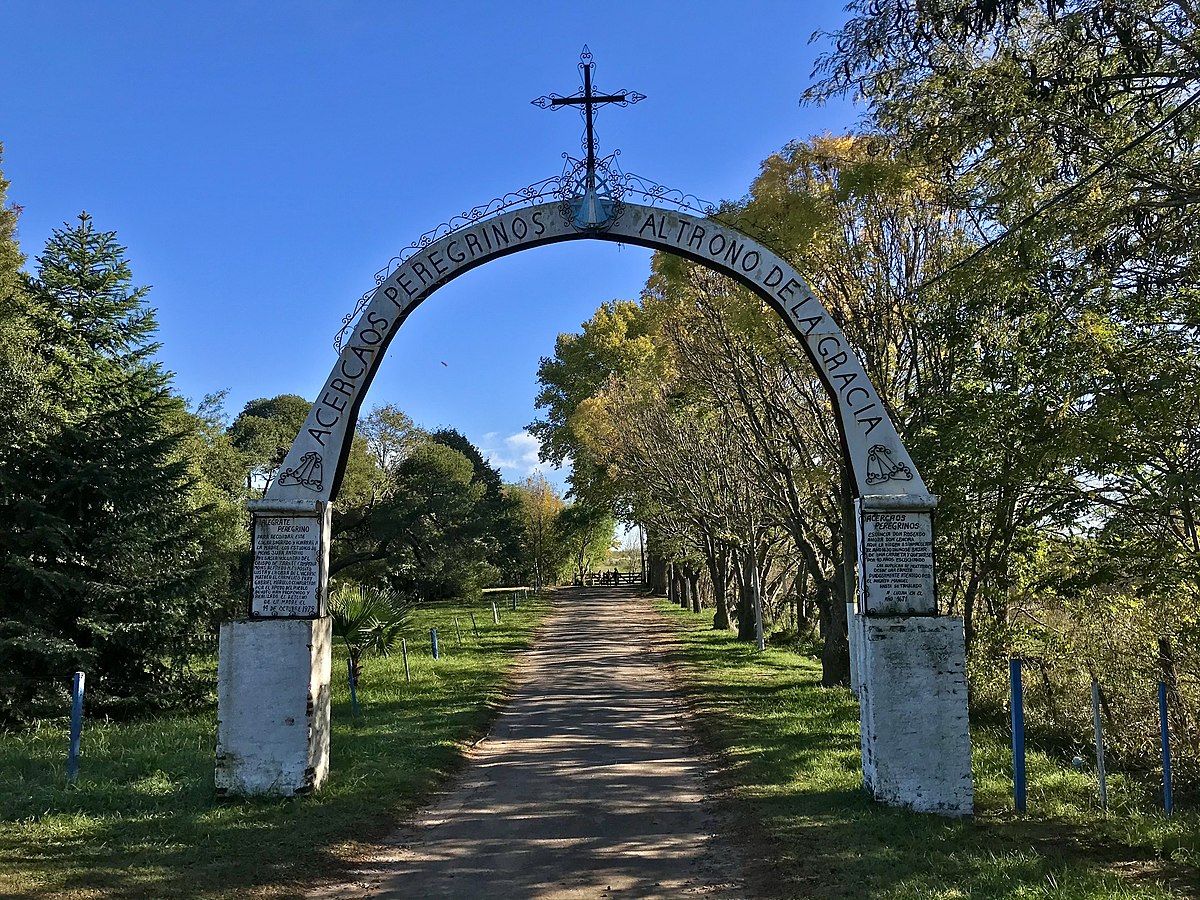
273 710
909 664
273 677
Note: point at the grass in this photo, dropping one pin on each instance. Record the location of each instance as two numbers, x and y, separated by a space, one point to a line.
790 761
143 820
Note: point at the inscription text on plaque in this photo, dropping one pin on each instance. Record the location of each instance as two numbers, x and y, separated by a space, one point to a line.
287 557
897 562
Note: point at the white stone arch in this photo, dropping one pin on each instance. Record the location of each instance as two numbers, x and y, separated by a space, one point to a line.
878 460
908 662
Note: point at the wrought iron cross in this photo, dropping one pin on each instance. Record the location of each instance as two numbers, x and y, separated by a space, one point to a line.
589 101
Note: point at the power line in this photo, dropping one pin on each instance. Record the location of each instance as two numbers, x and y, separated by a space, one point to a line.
1063 194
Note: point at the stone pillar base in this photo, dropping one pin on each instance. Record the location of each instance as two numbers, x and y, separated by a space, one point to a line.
273 707
916 744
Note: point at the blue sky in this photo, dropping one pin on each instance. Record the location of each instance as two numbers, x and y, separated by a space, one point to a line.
261 160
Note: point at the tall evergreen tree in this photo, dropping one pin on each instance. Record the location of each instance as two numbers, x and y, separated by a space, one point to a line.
19 393
101 554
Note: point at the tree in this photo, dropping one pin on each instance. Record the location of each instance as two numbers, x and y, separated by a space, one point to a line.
20 381
587 534
367 620
103 561
1079 109
426 538
217 472
542 551
263 432
613 340
391 436
500 512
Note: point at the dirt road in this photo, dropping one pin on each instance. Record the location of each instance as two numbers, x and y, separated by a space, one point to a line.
588 786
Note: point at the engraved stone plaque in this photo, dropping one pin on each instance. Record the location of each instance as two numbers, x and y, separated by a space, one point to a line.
897 562
287 565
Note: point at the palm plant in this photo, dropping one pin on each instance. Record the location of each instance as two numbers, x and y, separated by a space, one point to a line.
368 620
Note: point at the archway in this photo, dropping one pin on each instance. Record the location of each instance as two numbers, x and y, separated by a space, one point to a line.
876 456
907 660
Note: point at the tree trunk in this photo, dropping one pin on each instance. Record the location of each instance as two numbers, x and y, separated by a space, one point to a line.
835 654
693 577
968 601
756 587
803 606
745 596
1166 662
657 572
681 586
717 559
672 584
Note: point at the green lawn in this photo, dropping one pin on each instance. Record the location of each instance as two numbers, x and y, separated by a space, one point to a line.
143 821
791 764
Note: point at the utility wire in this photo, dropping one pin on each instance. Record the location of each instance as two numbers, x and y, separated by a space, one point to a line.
1064 193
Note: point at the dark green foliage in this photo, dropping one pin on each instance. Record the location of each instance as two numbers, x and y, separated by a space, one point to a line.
367 620
425 536
425 516
102 544
263 432
500 511
19 377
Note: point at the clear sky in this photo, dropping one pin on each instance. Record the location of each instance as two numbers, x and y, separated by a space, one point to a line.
261 160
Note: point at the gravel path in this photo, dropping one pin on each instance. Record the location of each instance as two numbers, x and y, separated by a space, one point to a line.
588 786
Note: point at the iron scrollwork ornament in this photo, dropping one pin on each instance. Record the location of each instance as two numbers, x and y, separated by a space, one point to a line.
591 192
882 468
309 474
591 187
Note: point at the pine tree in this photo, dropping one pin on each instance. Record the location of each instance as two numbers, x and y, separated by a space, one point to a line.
101 555
18 374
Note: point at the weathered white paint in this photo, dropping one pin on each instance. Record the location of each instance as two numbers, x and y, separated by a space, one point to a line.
273 706
916 745
878 458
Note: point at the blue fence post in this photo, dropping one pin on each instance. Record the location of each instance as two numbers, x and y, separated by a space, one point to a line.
433 641
353 687
1165 730
1018 733
1098 731
76 725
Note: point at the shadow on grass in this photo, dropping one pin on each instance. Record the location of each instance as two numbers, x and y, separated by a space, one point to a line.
143 820
790 760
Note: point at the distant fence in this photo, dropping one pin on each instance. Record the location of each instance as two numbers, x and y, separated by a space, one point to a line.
611 577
